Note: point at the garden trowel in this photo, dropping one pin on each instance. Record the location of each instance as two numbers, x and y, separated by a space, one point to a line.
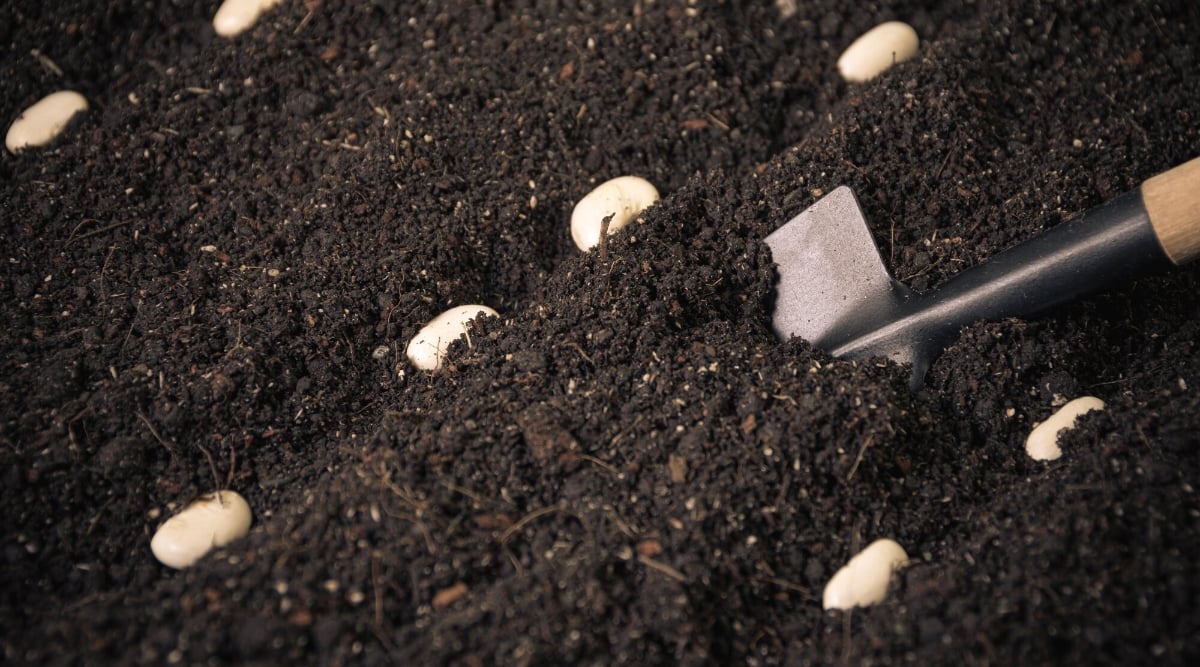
835 292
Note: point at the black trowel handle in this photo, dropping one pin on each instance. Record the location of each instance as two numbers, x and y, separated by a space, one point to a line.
1172 201
1141 231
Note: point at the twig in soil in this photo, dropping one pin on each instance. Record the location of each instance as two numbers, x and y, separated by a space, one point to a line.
104 268
1142 434
661 567
407 498
46 62
75 230
929 267
341 144
856 536
377 591
232 466
783 489
385 475
608 278
94 232
430 545
602 464
312 6
782 583
579 349
513 529
846 639
604 236
96 518
170 450
516 563
858 459
717 121
213 467
949 154
132 323
622 525
466 492
892 243
237 343
83 602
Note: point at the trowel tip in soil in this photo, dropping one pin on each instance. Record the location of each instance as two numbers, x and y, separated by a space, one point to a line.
834 290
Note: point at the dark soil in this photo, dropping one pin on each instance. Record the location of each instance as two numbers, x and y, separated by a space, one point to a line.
627 467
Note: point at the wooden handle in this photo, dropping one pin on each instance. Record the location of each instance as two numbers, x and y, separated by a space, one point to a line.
1172 201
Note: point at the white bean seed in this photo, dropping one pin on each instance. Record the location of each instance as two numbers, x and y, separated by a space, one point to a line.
1042 443
864 580
428 348
41 123
234 16
623 198
878 49
211 521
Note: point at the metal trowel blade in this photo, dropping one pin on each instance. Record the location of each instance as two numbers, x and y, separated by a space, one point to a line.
832 281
